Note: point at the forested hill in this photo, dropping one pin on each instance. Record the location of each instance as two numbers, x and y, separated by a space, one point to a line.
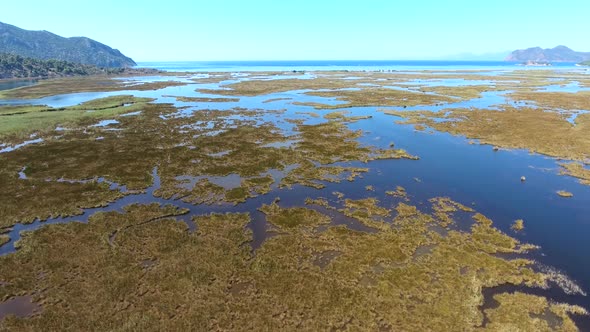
45 45
16 66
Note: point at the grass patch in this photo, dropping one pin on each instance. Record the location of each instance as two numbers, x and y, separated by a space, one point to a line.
548 133
518 225
378 97
60 86
555 100
18 122
576 170
565 194
292 218
203 99
4 239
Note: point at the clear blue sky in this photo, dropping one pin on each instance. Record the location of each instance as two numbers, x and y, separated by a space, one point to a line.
308 29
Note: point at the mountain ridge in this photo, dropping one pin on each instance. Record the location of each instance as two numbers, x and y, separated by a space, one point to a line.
559 53
45 45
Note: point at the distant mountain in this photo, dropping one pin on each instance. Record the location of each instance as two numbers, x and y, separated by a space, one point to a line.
557 54
45 45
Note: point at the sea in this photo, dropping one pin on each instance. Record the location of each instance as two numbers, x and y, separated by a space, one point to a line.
351 65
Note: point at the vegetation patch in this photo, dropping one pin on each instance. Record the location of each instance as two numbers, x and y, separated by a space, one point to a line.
19 122
565 194
576 170
368 212
518 225
444 208
275 99
60 86
465 92
399 192
516 128
257 87
213 78
378 97
555 100
290 218
524 312
203 99
404 210
4 239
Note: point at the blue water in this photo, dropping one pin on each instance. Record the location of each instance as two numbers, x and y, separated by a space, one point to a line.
310 65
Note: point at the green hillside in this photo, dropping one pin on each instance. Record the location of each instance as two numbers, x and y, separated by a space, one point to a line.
16 66
45 45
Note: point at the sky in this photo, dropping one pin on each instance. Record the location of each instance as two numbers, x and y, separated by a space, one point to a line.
209 30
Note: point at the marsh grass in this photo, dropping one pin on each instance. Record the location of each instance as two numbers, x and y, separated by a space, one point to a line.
292 218
275 99
544 315
399 192
195 146
257 87
60 86
555 100
444 208
203 99
4 239
518 225
465 92
143 269
377 97
576 170
19 122
539 131
565 194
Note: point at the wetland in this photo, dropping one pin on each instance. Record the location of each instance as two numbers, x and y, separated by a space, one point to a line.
326 200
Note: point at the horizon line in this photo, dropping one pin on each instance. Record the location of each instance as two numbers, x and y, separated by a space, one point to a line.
324 60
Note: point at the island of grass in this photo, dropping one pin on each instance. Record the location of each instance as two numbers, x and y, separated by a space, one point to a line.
518 225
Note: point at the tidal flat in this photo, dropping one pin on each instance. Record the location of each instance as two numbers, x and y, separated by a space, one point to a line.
296 201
